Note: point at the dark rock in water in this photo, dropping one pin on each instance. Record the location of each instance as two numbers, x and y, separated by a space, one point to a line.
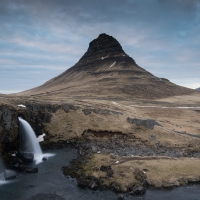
82 181
22 167
138 190
9 175
120 197
93 183
25 156
19 167
148 123
44 158
90 182
31 169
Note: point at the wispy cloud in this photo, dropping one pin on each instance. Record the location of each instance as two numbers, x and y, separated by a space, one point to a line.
50 36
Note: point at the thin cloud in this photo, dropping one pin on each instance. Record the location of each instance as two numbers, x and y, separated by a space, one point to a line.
161 35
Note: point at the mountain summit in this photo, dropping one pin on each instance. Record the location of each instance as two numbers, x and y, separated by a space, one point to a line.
106 71
104 46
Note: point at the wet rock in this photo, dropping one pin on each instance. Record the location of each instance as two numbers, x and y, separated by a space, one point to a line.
22 167
93 183
44 158
115 187
26 157
31 169
120 197
138 190
82 181
9 175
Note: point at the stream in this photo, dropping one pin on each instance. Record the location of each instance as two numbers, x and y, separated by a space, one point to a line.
50 179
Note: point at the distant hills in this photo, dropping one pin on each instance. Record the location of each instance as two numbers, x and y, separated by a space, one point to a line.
198 89
106 71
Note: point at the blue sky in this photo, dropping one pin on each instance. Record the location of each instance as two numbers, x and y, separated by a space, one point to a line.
42 38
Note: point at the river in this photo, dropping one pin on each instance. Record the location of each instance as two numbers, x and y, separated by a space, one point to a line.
50 179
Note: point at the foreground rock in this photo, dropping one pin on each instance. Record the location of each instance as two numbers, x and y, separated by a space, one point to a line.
10 175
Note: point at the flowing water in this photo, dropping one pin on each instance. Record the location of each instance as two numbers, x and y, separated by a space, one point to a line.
29 142
28 139
50 179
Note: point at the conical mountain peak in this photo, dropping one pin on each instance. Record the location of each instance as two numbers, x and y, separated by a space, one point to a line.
106 71
104 46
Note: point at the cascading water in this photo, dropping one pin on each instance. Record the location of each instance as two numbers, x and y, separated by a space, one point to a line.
29 141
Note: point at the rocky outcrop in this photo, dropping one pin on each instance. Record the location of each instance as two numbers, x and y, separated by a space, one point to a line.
103 46
8 125
148 123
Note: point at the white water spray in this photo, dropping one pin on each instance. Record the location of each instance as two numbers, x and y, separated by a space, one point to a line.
29 141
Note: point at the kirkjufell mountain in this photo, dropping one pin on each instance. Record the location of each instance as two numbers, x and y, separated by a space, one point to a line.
106 71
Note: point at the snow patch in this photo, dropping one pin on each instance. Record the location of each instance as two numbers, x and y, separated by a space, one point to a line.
113 64
40 138
21 105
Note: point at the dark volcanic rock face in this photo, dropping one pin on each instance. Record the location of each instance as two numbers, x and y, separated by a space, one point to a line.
103 46
8 124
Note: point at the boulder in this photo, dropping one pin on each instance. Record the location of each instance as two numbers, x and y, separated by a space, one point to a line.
92 183
120 197
82 181
86 111
9 175
44 158
26 157
31 169
138 190
148 123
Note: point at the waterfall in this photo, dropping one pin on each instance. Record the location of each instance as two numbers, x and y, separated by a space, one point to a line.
28 139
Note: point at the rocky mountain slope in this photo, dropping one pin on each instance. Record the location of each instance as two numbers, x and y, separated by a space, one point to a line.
105 70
